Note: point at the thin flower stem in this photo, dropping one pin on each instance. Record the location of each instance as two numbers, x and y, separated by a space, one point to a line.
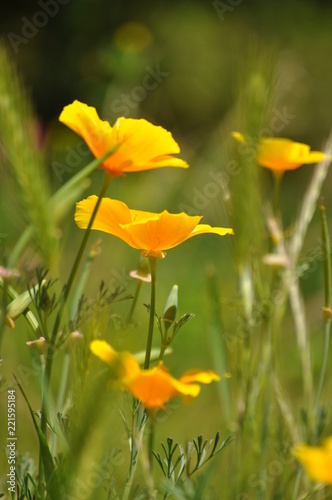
133 305
327 320
277 190
297 484
153 268
107 180
49 354
137 430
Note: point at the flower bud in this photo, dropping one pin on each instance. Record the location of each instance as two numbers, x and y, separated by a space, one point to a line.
171 307
143 270
38 345
19 305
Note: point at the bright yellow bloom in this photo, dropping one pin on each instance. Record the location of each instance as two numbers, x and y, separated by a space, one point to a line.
280 154
150 232
317 460
143 146
154 387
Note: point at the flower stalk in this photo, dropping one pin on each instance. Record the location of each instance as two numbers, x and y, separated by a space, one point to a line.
153 270
327 304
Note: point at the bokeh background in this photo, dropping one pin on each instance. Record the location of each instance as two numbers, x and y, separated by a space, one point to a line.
196 53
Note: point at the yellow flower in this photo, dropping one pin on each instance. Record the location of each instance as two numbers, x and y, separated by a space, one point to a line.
150 232
317 460
154 387
280 154
143 146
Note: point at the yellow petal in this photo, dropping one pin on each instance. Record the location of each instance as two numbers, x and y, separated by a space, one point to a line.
161 232
122 363
110 215
104 351
84 120
143 146
283 154
147 231
203 377
205 228
239 137
316 460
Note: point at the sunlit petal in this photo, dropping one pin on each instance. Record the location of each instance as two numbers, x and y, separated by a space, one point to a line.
141 145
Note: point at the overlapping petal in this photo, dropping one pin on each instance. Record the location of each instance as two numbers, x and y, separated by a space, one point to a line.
143 146
154 387
150 232
280 154
317 460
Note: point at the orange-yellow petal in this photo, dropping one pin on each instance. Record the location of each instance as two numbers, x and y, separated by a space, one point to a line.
160 232
142 145
317 460
110 215
284 154
122 363
156 386
280 154
203 377
147 231
104 351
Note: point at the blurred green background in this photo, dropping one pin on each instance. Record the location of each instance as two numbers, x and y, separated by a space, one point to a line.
196 54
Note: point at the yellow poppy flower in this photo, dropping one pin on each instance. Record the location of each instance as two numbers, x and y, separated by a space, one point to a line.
150 232
317 460
153 387
143 146
280 154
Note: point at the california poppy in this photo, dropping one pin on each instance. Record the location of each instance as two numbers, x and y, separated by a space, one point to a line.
279 154
153 233
142 145
317 460
155 386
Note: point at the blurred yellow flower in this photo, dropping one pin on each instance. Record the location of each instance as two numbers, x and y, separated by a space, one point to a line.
143 146
280 154
153 387
150 232
317 460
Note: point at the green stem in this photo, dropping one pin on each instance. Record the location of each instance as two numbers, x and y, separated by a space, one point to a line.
66 292
20 245
327 320
137 430
133 305
50 349
278 175
297 484
153 269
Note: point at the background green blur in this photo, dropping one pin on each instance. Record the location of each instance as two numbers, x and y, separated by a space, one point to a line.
100 52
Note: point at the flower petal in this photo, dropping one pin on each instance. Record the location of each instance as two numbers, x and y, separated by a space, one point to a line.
109 216
122 363
316 460
161 231
203 377
84 120
205 228
104 351
143 146
156 386
284 154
